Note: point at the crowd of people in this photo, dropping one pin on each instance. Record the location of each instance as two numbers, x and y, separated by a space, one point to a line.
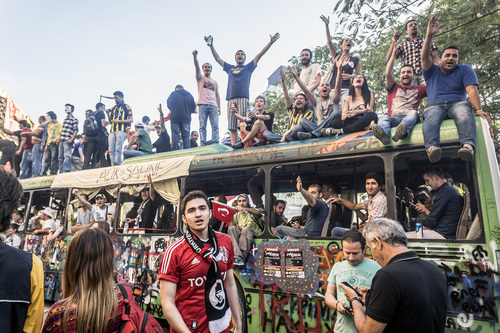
345 104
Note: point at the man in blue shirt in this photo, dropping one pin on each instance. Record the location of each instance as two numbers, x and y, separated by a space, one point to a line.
181 104
239 82
449 84
316 216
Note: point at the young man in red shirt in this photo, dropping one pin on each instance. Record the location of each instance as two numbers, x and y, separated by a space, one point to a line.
198 290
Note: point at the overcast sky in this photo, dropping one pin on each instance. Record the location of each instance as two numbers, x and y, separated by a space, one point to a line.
57 52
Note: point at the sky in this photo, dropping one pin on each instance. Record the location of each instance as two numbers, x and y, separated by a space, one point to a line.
58 52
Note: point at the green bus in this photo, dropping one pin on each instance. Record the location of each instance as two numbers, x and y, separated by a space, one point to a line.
285 296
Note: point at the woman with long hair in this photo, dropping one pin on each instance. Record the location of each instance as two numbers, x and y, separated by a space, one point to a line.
357 112
92 303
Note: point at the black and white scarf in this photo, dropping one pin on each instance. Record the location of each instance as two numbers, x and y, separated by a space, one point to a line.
216 302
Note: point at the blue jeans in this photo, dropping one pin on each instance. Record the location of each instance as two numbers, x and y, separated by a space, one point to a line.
461 112
339 231
132 153
36 157
306 125
115 146
26 165
282 231
212 113
180 129
65 150
409 119
271 137
50 159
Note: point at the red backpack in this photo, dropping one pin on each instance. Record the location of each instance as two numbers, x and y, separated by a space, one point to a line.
134 320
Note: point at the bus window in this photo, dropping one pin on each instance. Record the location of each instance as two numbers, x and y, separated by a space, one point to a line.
53 201
414 199
94 208
344 178
243 188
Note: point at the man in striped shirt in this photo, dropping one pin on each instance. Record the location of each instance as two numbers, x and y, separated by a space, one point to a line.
120 118
67 138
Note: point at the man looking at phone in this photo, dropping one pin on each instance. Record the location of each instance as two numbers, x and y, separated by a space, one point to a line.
356 270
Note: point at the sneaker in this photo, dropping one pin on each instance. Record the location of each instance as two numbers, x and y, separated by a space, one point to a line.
289 138
304 135
331 131
259 143
238 262
378 132
400 132
434 154
239 145
466 153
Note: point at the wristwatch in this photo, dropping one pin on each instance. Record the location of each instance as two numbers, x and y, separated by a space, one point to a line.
356 298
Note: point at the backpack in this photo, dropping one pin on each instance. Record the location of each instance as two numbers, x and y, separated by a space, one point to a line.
90 125
134 320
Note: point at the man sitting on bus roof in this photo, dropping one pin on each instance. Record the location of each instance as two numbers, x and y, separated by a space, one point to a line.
403 101
247 224
316 216
375 206
449 85
442 220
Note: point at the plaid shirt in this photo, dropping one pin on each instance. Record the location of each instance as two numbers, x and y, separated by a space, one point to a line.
70 125
410 52
376 206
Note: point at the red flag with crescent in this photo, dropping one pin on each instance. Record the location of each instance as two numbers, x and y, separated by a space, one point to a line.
222 212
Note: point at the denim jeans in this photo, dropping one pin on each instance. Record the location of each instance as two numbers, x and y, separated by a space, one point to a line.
180 129
271 137
116 140
209 112
36 157
461 112
95 151
50 159
65 150
26 165
306 125
132 153
339 231
410 119
282 231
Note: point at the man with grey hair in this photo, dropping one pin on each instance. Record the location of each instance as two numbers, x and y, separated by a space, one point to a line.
404 284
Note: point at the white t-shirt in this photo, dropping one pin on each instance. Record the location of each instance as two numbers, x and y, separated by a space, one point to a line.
50 223
308 75
100 214
13 241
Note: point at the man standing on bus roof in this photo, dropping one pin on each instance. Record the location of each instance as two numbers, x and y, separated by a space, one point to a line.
316 215
208 101
181 105
310 74
403 101
120 118
449 85
356 270
197 284
375 206
405 283
239 82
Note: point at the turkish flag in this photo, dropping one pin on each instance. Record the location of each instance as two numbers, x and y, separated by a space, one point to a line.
222 212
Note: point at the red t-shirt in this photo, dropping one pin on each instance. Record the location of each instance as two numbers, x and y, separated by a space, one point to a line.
402 100
188 269
28 144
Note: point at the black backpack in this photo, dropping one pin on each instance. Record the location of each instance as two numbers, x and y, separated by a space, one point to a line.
90 125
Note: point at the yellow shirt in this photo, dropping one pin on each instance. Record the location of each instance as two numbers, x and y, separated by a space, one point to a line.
34 317
53 132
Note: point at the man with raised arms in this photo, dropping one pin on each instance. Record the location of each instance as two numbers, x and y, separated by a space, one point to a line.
239 82
198 289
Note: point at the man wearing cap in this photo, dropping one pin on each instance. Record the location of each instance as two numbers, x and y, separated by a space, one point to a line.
163 143
142 141
47 222
146 212
181 104
120 118
246 224
238 85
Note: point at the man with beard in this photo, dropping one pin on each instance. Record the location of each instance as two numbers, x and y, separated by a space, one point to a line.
310 74
403 101
239 82
277 217
326 107
146 212
375 206
409 51
449 85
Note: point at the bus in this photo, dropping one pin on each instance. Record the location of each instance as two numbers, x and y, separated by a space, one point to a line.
283 295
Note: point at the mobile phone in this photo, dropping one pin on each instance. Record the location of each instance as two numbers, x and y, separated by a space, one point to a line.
348 285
